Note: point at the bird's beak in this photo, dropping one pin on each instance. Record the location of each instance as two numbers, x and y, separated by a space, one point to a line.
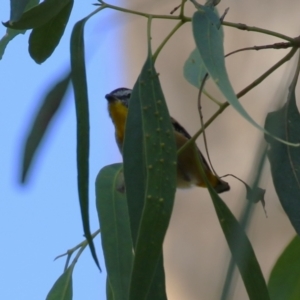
110 98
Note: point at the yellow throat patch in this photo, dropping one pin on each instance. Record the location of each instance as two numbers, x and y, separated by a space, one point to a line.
118 112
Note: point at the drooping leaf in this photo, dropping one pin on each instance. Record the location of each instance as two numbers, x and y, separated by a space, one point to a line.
240 247
285 160
83 127
194 69
284 281
243 255
50 106
150 176
209 40
253 195
115 229
63 287
44 39
11 33
38 15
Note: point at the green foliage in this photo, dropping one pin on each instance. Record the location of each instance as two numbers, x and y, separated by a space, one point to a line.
156 165
209 40
62 288
38 15
78 75
240 247
285 277
134 220
115 229
194 69
284 159
49 107
44 39
16 9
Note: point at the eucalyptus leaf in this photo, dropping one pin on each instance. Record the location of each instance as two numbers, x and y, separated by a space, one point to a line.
115 229
284 281
17 7
78 74
109 293
38 15
194 70
11 33
45 115
240 246
44 39
209 40
242 252
150 177
63 287
285 160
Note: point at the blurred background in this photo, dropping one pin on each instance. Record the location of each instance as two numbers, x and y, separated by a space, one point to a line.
42 219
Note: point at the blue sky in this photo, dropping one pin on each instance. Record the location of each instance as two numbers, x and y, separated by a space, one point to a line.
42 219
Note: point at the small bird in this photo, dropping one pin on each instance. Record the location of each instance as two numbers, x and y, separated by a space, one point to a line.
188 174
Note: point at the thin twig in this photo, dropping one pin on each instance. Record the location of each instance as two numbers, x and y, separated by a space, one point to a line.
257 29
70 252
175 9
172 32
272 46
125 10
239 95
201 120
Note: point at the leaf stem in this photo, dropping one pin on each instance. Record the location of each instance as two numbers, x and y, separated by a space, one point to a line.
239 95
209 96
283 45
149 34
257 29
160 47
130 11
181 13
267 73
295 79
70 252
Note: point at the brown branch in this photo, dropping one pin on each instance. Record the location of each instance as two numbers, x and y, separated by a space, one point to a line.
283 45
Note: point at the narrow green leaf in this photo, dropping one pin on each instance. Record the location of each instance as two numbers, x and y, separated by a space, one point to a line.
158 286
253 193
284 281
50 106
136 187
148 111
115 229
38 15
243 253
11 33
209 41
62 288
83 127
109 292
240 247
134 166
194 69
285 160
44 39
